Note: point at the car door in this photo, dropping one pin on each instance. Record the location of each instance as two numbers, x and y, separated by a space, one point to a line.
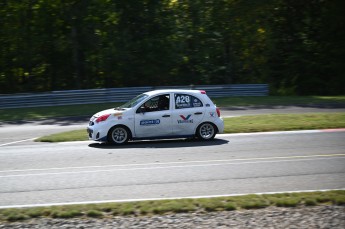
187 114
153 118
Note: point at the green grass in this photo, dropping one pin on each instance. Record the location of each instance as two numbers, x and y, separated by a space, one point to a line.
141 208
284 122
89 109
73 135
244 124
34 113
278 100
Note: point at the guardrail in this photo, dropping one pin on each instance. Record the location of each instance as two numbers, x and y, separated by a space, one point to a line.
89 96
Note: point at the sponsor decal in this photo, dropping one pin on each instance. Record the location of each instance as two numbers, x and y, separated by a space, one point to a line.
119 117
212 114
197 103
118 114
150 122
185 119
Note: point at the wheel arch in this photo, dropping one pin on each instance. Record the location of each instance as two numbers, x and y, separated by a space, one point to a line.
121 125
197 134
215 126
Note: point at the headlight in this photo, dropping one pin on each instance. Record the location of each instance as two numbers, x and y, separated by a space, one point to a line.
102 118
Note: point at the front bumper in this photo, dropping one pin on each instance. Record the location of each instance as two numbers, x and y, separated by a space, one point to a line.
89 132
97 132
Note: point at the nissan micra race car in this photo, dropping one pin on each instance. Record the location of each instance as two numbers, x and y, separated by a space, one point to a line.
159 114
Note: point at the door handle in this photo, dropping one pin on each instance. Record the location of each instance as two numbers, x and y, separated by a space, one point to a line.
198 113
166 116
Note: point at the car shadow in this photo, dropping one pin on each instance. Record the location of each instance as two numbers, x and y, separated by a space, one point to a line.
159 144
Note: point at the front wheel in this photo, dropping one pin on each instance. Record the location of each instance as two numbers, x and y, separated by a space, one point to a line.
206 131
118 135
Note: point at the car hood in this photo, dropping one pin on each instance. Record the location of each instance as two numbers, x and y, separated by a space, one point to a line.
109 111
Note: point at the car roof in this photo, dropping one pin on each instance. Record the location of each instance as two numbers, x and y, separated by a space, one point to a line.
172 91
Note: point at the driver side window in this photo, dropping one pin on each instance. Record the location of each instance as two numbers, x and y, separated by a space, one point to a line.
158 103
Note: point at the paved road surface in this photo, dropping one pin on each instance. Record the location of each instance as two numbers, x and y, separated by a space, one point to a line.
41 173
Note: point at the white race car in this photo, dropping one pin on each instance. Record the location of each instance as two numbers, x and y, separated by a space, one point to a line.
159 114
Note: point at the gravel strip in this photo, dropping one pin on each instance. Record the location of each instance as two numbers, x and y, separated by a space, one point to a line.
272 217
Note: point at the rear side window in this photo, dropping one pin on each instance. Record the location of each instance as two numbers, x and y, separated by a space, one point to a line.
186 101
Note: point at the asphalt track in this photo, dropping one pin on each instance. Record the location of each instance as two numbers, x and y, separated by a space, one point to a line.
85 172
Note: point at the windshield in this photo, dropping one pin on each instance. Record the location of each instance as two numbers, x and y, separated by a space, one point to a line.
134 102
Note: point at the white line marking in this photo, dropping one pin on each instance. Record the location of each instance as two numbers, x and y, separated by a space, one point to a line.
288 132
287 159
11 143
176 162
273 133
154 199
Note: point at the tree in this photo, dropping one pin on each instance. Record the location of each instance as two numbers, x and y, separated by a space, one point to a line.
295 46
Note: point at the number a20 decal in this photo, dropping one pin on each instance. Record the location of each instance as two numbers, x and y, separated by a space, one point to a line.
182 101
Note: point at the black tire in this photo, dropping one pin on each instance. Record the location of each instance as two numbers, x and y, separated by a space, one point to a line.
206 131
119 135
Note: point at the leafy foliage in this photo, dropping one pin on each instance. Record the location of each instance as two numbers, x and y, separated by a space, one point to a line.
295 46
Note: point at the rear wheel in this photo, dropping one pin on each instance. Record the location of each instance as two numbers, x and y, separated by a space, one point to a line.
206 131
118 135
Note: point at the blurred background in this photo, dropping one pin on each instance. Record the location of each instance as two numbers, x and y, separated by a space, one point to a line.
295 46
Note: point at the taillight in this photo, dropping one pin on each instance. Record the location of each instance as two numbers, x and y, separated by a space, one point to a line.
218 111
102 118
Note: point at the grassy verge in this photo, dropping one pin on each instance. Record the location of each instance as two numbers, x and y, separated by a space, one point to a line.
284 122
177 206
279 100
34 113
68 136
244 124
90 109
